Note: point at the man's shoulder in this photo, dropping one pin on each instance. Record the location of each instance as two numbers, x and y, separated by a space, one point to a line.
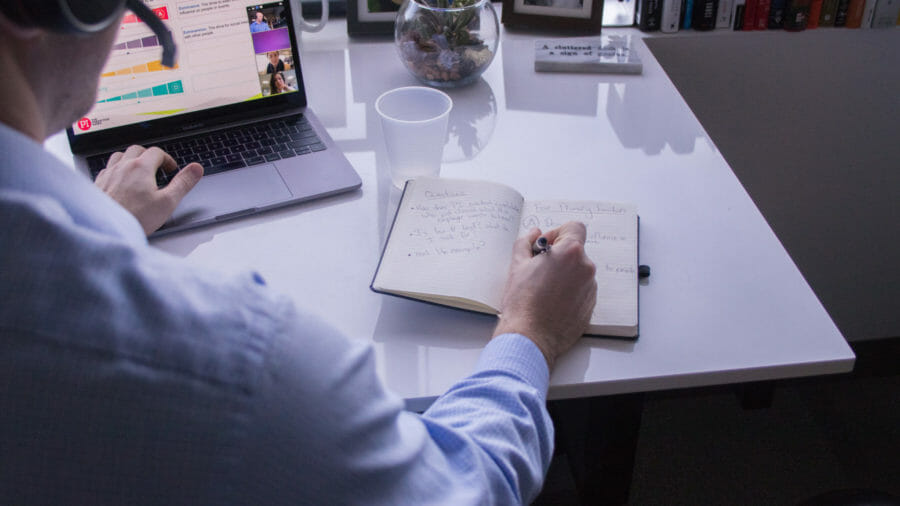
75 288
141 376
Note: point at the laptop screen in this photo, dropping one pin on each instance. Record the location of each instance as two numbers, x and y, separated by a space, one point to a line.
229 52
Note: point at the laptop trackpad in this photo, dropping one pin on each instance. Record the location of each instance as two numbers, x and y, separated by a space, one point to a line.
231 192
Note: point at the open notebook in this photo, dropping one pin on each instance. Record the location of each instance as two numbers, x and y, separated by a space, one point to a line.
451 243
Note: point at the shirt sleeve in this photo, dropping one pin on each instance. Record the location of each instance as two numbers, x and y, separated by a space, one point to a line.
501 411
324 430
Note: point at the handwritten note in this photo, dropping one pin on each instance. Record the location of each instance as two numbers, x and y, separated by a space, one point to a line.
458 222
454 238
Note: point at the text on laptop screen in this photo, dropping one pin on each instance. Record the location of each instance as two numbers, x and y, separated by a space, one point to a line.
228 52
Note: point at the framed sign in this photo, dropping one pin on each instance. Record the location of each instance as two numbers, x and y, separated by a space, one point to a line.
584 16
371 17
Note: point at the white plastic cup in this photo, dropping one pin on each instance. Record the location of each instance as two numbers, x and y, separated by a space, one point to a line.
414 122
301 24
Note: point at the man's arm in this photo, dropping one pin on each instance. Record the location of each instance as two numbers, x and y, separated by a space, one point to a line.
327 432
324 429
130 179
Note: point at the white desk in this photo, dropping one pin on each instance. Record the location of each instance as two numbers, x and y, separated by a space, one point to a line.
724 303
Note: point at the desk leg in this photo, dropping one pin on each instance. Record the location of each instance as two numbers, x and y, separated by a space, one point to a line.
599 437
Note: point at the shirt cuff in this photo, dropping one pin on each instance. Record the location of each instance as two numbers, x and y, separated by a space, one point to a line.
519 356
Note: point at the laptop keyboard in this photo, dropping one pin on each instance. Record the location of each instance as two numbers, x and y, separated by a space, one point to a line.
236 147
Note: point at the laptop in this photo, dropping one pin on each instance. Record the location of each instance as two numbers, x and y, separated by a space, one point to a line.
234 101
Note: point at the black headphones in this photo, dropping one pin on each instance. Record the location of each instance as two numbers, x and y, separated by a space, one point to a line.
86 16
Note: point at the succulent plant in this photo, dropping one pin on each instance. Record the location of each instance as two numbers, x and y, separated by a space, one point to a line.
438 40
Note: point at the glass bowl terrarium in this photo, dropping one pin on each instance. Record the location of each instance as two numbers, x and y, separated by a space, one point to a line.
446 43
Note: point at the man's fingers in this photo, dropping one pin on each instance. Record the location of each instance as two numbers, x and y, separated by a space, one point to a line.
551 235
134 151
114 158
184 181
154 158
573 230
522 246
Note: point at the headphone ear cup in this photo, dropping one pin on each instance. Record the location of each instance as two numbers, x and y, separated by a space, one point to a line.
67 16
99 13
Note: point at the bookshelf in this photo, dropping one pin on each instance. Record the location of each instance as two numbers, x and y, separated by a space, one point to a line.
763 15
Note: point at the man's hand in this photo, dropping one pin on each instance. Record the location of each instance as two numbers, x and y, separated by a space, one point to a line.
130 179
549 297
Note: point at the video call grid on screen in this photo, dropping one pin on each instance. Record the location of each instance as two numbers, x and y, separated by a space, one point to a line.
225 56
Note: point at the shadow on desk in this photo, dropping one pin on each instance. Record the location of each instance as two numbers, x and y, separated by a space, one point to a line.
183 243
404 322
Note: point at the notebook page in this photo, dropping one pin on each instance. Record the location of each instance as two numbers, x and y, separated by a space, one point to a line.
453 239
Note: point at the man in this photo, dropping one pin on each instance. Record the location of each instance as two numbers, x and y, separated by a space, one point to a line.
128 376
259 25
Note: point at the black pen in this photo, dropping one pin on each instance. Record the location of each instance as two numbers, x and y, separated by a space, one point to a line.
541 245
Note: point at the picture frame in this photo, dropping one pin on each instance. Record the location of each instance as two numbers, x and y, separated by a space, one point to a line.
371 17
583 16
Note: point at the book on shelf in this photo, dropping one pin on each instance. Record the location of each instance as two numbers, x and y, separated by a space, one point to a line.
750 15
671 16
829 9
840 13
723 13
887 14
868 13
762 14
704 14
737 14
815 12
687 13
855 13
451 244
777 11
649 15
796 17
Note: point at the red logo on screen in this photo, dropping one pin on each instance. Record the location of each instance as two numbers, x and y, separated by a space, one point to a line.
84 124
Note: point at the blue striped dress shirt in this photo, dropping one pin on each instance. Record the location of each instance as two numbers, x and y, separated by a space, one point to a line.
129 376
